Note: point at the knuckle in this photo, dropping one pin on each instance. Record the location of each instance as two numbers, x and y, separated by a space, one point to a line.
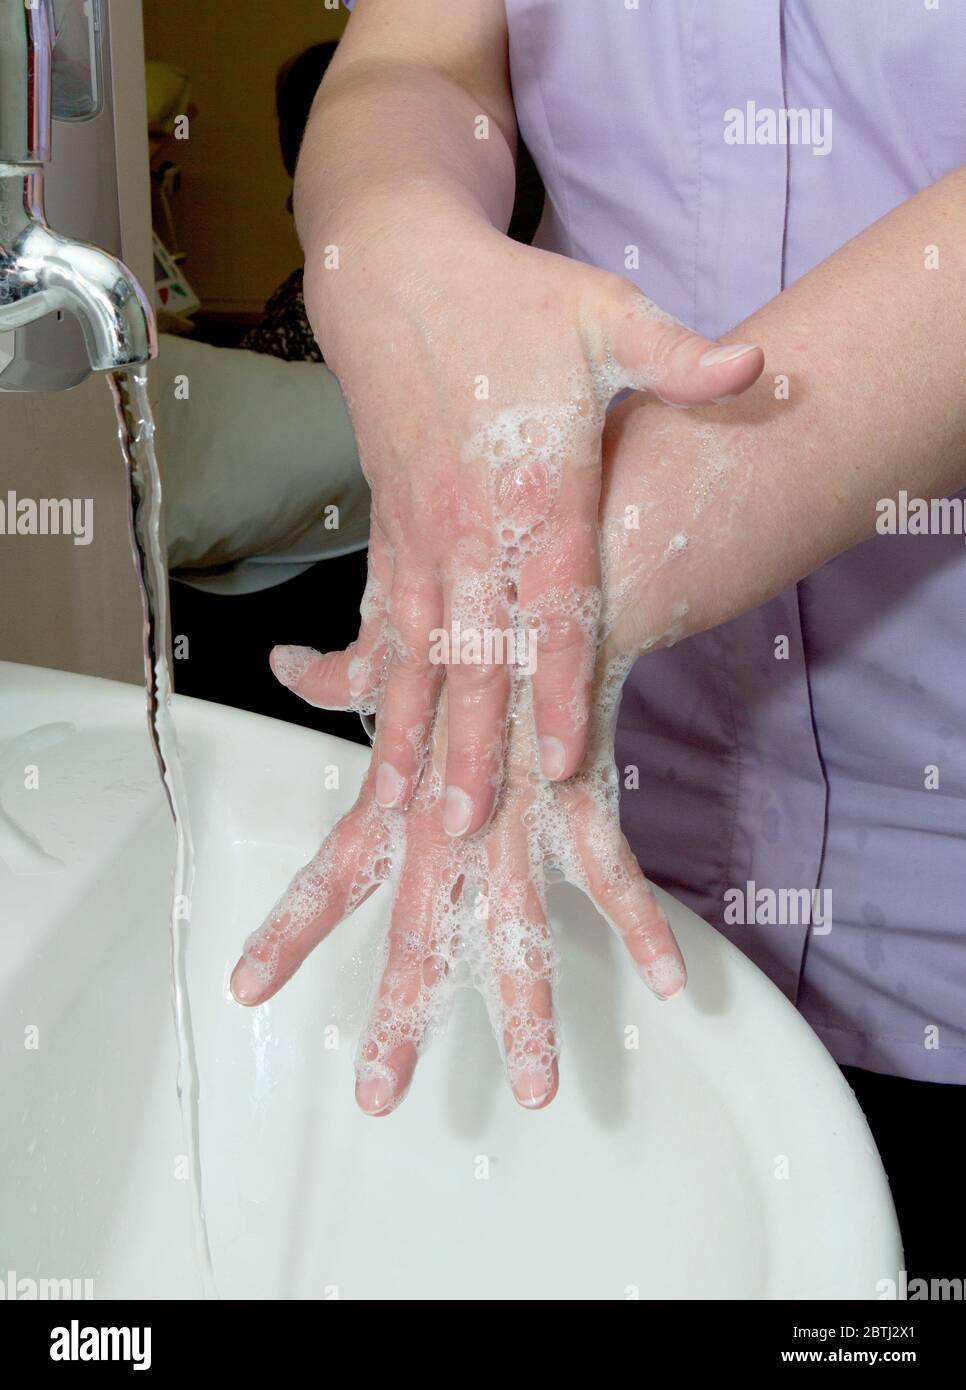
559 633
473 683
475 759
410 606
668 339
411 661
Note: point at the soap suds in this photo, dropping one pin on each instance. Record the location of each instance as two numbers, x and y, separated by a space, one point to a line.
471 912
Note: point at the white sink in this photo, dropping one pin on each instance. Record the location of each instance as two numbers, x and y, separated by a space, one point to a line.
724 1157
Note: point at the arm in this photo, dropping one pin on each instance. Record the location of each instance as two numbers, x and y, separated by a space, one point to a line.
472 368
766 490
393 129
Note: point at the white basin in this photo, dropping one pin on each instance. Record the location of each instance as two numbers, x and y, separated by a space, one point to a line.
725 1157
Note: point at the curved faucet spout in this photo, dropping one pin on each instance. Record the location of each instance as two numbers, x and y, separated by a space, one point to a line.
50 272
42 271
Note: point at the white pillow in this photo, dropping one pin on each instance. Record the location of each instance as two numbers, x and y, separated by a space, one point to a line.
252 459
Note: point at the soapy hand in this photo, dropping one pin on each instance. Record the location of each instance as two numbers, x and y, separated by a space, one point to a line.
704 514
478 412
473 910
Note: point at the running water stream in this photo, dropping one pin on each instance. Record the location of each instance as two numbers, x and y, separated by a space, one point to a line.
136 431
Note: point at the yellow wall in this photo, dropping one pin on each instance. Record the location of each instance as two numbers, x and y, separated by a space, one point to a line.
231 212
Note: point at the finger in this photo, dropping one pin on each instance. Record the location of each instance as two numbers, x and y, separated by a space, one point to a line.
522 967
412 684
681 367
560 604
353 860
330 680
481 650
614 881
422 945
350 678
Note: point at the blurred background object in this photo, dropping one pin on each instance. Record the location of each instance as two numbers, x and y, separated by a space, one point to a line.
232 215
257 455
266 507
284 329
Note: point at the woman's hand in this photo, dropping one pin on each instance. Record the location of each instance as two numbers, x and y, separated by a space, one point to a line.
703 515
473 908
471 911
477 372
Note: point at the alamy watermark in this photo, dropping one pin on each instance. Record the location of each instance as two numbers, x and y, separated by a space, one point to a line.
48 516
767 125
909 1290
486 646
752 906
18 1288
76 1343
919 516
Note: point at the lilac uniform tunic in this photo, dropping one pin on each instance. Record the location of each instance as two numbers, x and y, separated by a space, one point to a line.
808 773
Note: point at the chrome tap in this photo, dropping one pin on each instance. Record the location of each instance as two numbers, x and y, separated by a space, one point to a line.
41 271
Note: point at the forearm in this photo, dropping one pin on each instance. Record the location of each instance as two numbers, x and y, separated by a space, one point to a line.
384 136
410 139
872 346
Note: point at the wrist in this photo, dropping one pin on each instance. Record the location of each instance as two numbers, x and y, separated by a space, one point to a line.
371 262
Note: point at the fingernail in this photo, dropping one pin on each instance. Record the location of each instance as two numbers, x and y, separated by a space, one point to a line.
389 786
374 1096
727 352
246 983
665 976
289 664
531 1089
457 811
553 757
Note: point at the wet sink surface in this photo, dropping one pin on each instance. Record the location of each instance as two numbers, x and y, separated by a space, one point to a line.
706 1148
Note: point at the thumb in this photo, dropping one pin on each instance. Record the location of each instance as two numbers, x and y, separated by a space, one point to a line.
660 354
